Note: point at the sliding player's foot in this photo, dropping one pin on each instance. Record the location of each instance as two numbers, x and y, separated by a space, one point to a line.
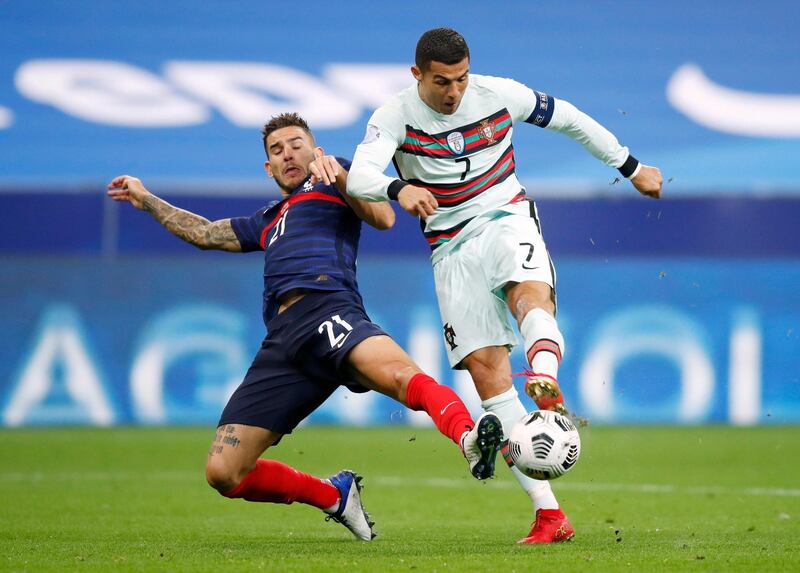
480 445
350 512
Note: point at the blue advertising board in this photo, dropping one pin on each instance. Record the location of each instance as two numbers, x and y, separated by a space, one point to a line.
154 340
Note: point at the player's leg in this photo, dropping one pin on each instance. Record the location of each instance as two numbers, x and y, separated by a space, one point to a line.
478 332
519 270
234 452
490 370
234 468
273 398
533 305
380 364
517 263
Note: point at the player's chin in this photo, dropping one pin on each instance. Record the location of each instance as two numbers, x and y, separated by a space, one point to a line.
292 180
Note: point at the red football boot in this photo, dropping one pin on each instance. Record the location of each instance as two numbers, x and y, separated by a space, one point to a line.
545 392
551 526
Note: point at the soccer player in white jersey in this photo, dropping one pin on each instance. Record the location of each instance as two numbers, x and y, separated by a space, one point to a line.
449 135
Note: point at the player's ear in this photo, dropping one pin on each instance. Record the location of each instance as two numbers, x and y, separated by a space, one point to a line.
268 168
417 73
319 152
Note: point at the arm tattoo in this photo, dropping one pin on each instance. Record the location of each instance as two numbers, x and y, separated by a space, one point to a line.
220 234
192 228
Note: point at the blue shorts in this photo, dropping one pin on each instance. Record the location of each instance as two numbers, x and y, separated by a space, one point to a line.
301 361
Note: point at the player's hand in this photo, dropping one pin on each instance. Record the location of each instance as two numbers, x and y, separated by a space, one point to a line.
648 181
417 201
325 168
127 188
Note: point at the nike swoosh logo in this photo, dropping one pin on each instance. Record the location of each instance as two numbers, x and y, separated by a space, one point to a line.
446 407
343 339
720 108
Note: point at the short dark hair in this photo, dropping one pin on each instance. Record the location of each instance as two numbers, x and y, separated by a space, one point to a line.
277 122
443 45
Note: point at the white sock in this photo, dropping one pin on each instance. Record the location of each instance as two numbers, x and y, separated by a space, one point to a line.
509 409
544 344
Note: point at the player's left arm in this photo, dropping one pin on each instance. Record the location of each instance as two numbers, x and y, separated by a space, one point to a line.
542 110
190 227
327 169
601 143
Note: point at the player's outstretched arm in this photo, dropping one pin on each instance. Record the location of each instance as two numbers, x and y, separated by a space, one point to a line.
601 143
326 168
192 228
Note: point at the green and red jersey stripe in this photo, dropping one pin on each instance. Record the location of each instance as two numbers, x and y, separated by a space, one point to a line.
436 239
417 142
455 194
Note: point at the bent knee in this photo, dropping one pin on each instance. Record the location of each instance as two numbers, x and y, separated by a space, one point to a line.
223 476
403 372
490 371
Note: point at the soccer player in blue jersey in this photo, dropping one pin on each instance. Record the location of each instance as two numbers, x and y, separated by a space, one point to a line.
319 335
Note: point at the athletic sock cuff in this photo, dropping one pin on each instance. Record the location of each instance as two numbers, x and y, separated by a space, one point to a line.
508 396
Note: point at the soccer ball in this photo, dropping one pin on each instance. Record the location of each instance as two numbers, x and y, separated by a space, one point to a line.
544 445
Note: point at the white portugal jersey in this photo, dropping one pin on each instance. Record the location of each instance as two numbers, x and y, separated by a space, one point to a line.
466 159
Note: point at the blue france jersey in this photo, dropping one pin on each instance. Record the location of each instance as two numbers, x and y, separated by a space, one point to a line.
309 239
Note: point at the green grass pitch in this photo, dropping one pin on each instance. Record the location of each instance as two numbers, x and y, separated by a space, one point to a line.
656 499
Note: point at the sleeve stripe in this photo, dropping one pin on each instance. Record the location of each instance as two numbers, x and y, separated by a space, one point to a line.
543 110
628 168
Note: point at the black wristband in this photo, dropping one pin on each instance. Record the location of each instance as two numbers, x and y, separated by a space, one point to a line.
394 188
628 167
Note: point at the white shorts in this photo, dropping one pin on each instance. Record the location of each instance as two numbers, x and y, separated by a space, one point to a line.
470 280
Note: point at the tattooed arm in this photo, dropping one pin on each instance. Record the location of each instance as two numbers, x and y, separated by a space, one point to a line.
192 228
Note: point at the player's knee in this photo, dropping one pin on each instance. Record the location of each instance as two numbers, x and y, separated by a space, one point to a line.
487 370
403 373
222 476
484 363
535 301
529 295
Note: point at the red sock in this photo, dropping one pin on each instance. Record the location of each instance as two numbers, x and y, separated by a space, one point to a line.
442 404
275 482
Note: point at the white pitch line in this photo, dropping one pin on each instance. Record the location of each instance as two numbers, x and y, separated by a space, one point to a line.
599 487
398 481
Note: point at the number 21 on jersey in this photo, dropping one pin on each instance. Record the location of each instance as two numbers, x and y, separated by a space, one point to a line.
328 326
280 228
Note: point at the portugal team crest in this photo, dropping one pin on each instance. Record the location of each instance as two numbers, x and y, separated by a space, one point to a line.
450 336
455 141
486 131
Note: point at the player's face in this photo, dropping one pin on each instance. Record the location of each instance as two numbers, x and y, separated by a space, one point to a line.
442 86
290 151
